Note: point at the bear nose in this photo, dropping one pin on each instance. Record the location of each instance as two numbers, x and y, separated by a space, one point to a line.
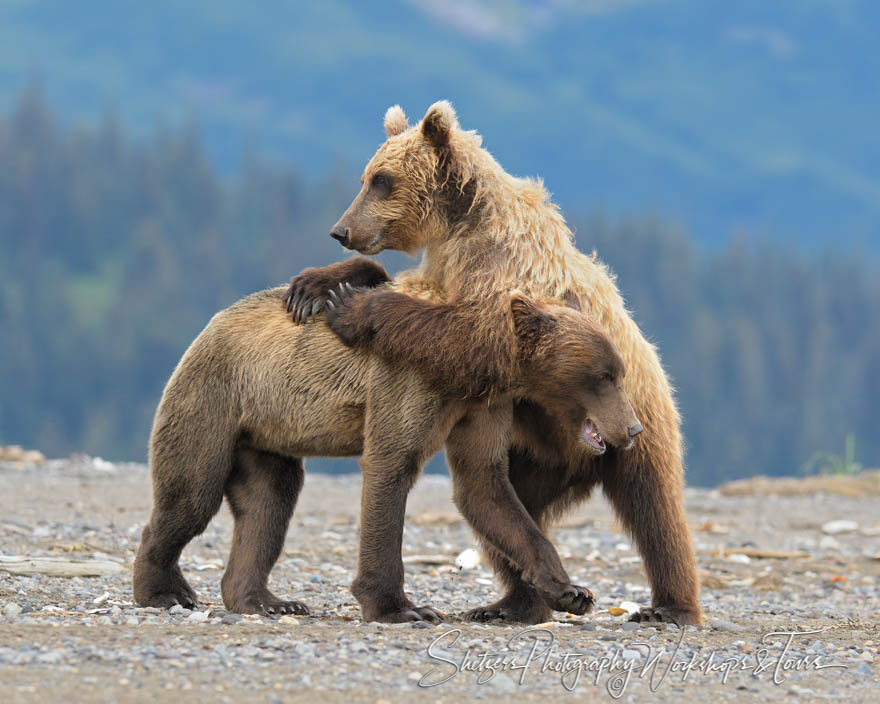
341 234
634 430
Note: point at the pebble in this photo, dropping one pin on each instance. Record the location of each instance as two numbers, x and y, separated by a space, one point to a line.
199 616
467 559
840 526
726 626
11 610
829 543
229 619
503 683
799 691
630 626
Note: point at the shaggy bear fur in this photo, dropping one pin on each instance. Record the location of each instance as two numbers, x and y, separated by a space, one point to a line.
433 187
254 394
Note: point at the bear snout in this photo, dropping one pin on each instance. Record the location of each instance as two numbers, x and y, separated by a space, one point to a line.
341 234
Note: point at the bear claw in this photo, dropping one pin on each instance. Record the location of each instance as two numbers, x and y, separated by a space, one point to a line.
412 614
280 608
573 599
666 614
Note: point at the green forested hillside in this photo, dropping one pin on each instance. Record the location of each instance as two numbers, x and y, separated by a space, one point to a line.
748 116
115 252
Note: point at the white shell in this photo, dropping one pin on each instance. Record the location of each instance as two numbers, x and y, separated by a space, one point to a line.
467 559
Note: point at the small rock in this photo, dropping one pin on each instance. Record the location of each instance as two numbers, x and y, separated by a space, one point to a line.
421 624
630 626
176 609
105 620
829 543
467 559
50 658
11 610
230 619
199 616
588 627
726 626
841 526
132 621
316 578
115 612
630 654
740 558
799 691
502 683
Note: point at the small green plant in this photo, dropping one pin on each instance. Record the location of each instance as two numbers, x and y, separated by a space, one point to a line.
826 463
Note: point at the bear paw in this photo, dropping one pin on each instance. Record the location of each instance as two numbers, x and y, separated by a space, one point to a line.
569 598
668 614
511 610
411 614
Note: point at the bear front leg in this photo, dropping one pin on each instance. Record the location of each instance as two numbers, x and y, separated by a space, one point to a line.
648 499
463 350
308 291
378 586
542 487
477 453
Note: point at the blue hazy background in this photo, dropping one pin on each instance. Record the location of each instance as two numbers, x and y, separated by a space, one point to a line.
162 159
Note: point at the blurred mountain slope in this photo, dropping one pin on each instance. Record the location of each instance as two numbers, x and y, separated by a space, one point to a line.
749 116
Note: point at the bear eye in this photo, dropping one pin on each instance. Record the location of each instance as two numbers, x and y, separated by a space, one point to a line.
381 180
606 376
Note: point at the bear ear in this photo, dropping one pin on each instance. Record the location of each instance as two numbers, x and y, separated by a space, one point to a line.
395 121
532 322
438 124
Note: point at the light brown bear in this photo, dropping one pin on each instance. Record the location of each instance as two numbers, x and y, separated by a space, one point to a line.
254 394
432 187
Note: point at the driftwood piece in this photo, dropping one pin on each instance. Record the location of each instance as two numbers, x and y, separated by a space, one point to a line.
22 565
761 554
427 560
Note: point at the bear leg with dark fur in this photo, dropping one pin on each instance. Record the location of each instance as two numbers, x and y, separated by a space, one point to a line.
262 492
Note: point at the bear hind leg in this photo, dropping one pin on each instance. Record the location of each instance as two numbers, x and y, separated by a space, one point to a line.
262 492
184 504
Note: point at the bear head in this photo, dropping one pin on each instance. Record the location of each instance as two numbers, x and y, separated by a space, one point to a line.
417 186
573 369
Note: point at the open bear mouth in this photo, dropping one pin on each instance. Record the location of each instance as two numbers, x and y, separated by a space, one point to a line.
591 436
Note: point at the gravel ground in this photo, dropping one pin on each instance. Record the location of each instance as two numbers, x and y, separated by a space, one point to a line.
82 639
